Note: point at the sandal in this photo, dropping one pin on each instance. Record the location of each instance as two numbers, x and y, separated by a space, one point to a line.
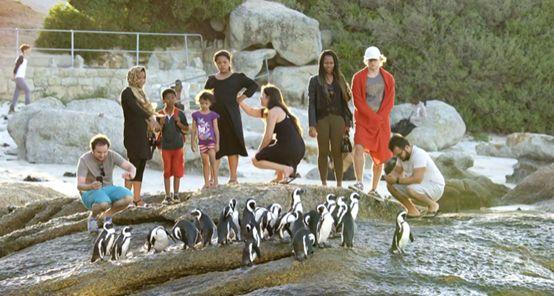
141 204
290 178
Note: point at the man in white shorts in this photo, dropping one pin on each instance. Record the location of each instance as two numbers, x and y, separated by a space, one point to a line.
415 177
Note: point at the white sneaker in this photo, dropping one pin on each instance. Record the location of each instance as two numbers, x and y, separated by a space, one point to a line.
359 186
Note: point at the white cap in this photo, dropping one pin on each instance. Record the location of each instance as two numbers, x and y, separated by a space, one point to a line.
371 53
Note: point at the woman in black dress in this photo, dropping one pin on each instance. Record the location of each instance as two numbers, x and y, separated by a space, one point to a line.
285 152
228 88
139 117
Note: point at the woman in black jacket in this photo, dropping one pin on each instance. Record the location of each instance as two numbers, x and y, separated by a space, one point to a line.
328 113
139 118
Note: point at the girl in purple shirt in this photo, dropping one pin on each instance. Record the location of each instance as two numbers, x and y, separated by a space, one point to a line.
204 126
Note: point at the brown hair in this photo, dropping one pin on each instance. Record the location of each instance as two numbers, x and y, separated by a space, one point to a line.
24 47
99 139
205 94
276 100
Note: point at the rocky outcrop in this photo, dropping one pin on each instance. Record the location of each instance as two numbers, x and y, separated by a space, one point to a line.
539 186
293 82
525 167
251 62
466 190
294 36
494 149
443 126
13 195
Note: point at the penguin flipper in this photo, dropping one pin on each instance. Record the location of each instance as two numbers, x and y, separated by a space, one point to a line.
257 250
411 237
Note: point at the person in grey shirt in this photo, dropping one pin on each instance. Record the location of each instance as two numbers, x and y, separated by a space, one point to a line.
95 181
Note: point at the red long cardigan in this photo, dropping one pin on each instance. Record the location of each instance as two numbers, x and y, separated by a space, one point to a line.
373 128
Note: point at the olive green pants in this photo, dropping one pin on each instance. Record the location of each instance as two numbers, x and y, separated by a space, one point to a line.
330 131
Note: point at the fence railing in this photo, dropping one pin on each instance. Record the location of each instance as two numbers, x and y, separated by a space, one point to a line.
73 33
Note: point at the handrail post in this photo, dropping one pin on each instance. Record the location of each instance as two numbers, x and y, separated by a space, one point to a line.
137 49
186 50
16 41
72 49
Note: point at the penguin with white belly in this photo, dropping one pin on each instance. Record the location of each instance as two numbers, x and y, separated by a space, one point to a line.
103 243
402 233
121 244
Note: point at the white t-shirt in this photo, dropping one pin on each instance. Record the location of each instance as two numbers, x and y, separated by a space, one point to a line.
419 159
21 70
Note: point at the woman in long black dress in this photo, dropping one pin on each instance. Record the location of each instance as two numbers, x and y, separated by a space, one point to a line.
139 116
285 152
226 86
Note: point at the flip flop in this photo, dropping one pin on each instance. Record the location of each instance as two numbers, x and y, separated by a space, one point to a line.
289 179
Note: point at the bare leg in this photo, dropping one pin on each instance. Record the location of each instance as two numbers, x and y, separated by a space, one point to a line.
176 185
167 185
118 206
405 200
268 165
377 171
206 169
359 162
432 206
136 191
233 166
99 208
213 171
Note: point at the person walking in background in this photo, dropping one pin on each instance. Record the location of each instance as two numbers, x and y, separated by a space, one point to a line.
139 118
328 113
205 132
226 86
284 153
95 182
174 127
19 71
373 90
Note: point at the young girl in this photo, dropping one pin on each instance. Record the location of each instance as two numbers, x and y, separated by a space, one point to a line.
204 125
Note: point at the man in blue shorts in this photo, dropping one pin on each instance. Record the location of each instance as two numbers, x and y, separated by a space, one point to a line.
95 181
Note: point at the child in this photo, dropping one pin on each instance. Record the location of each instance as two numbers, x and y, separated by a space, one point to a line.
173 127
204 125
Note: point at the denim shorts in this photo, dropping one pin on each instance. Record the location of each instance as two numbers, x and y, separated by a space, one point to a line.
108 194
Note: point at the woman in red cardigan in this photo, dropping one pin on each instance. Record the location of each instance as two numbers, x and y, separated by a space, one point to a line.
373 92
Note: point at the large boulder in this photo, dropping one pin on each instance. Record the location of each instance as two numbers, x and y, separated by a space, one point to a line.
494 149
443 126
293 82
18 122
531 146
18 194
251 62
525 167
464 189
48 132
538 186
294 36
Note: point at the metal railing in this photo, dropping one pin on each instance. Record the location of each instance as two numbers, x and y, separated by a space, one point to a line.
137 51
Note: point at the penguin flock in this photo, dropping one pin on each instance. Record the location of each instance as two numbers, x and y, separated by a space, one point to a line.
305 231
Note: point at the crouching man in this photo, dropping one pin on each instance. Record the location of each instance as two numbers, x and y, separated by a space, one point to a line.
415 177
95 181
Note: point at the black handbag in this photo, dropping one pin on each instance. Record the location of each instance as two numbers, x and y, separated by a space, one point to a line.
403 127
346 146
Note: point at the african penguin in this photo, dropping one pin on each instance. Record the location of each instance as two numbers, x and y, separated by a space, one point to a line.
158 239
285 223
121 244
186 232
274 212
298 224
354 204
103 243
249 215
339 213
251 245
226 229
263 217
302 244
348 228
295 202
205 225
402 233
331 202
311 219
324 225
236 217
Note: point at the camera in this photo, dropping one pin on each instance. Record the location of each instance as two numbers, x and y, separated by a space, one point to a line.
100 179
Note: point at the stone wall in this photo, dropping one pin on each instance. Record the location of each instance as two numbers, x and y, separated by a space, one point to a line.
74 83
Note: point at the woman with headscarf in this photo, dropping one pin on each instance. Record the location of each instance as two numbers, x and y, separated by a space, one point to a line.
139 119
